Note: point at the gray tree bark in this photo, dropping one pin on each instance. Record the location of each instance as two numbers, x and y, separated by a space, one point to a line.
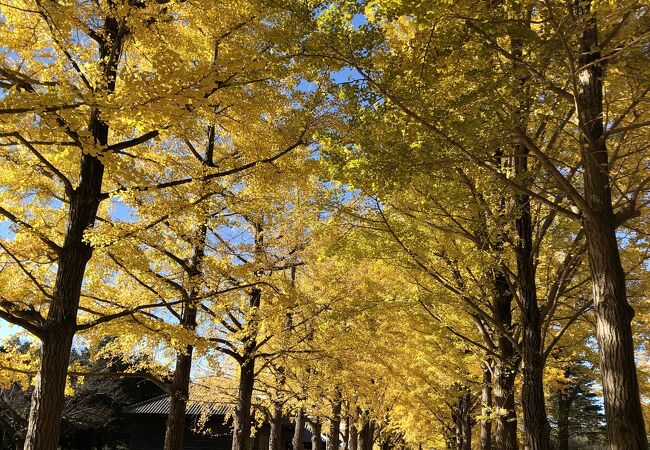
625 424
299 431
275 434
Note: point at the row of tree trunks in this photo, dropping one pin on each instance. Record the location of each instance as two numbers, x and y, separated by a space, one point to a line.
462 416
625 424
48 396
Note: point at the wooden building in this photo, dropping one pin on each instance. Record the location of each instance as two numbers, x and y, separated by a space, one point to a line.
147 427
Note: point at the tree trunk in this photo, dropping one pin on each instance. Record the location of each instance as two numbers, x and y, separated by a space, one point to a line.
486 398
466 432
275 434
625 424
346 433
316 436
564 406
333 440
504 399
354 437
48 397
366 435
298 441
242 425
537 430
505 368
179 393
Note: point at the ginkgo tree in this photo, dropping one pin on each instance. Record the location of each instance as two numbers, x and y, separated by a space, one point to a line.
488 81
87 89
382 218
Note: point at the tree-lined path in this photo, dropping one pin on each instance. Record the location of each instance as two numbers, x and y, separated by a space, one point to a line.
403 224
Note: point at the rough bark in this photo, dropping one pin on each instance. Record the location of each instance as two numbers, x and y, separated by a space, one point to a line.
333 439
366 435
275 434
486 399
242 422
48 397
462 415
316 436
354 437
505 367
179 392
537 430
625 424
242 425
299 431
346 434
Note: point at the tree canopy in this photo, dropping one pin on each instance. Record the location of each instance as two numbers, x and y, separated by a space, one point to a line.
410 224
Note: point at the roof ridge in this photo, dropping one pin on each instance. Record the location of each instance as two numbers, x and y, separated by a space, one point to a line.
151 400
160 405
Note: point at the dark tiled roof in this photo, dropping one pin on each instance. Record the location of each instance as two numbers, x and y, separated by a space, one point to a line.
160 405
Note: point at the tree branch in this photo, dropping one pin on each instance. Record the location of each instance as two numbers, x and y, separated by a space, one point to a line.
47 241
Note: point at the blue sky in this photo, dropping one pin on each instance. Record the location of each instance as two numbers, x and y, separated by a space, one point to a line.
121 212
